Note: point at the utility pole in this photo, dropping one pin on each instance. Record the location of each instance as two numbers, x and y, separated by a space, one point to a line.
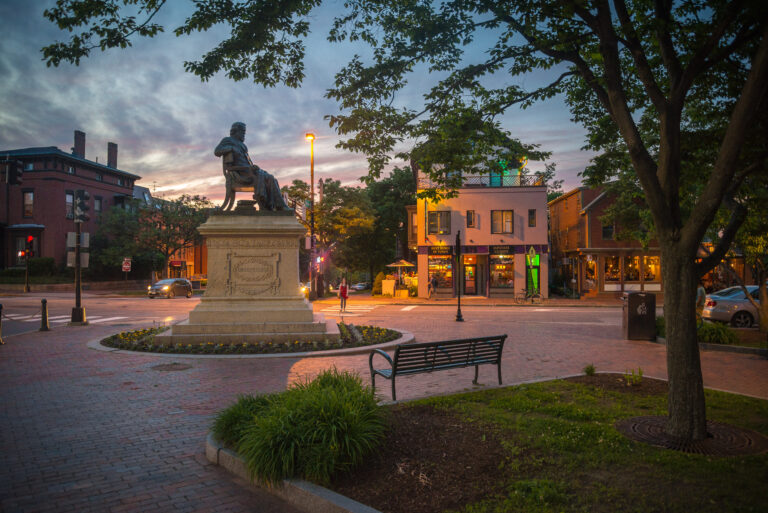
81 198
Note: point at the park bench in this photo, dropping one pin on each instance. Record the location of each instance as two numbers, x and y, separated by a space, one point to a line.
435 356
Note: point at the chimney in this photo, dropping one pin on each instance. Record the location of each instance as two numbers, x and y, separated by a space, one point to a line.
112 155
79 150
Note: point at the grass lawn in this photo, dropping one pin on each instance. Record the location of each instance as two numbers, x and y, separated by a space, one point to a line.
552 447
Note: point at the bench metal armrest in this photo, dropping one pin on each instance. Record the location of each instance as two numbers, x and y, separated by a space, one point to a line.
382 353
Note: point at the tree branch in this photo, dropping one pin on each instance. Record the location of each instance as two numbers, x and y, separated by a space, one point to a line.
742 117
638 54
738 214
666 47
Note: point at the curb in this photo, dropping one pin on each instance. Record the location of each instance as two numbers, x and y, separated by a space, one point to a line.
721 347
301 494
405 338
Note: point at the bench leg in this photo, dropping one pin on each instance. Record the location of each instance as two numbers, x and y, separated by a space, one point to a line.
373 382
474 381
499 373
394 397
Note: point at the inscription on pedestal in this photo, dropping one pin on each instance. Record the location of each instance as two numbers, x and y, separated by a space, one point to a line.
252 275
252 243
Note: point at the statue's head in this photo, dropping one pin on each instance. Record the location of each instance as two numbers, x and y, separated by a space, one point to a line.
238 130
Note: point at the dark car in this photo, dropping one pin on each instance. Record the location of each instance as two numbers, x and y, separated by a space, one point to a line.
170 288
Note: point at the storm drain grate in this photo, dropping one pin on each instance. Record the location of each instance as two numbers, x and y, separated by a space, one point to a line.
171 367
723 440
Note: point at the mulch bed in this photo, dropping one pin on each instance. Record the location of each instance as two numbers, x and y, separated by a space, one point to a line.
433 461
617 383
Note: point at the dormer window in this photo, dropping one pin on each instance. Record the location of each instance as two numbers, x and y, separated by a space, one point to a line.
99 178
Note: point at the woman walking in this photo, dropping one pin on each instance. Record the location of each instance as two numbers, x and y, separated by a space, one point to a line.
343 293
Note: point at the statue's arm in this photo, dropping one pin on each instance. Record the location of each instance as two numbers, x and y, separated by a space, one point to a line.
224 147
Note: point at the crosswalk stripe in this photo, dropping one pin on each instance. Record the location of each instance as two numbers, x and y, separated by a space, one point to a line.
107 319
408 308
18 317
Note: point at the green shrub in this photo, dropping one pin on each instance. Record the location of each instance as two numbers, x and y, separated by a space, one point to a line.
313 430
716 333
44 266
589 370
230 424
377 284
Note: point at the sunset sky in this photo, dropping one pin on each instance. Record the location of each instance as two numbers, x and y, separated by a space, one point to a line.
166 122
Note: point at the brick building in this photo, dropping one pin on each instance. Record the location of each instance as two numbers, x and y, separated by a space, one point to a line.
43 204
584 248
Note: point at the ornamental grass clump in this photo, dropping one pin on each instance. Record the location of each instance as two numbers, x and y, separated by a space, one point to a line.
230 424
313 430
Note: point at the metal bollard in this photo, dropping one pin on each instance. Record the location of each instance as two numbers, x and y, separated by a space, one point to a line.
44 316
1 325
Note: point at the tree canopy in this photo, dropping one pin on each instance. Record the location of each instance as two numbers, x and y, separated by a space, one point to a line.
653 83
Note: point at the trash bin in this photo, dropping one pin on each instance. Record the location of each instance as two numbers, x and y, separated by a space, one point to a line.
639 316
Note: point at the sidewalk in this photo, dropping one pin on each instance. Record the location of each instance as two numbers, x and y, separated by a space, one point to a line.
87 430
366 297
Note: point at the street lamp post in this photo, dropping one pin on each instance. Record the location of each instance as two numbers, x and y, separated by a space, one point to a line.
459 277
311 138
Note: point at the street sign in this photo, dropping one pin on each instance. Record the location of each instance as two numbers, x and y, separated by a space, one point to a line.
84 258
126 265
84 240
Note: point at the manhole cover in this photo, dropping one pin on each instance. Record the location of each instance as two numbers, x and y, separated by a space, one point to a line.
723 440
171 367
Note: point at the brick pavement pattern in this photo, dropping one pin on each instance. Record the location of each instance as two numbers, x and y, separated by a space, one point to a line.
86 430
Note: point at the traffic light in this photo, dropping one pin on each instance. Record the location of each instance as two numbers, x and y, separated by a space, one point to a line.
14 171
81 205
30 252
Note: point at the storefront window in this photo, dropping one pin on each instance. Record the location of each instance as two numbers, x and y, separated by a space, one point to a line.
590 275
631 268
651 268
612 269
502 271
442 267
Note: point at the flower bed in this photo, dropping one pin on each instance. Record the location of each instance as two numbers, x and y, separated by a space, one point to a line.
144 340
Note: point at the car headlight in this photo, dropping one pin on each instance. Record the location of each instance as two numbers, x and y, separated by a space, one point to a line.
149 288
165 288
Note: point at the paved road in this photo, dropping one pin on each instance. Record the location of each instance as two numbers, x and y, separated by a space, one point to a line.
85 430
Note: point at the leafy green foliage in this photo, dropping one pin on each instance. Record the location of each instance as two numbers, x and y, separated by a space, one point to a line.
589 370
313 430
377 283
230 424
716 333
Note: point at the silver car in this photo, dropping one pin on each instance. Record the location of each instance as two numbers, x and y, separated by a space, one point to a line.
731 305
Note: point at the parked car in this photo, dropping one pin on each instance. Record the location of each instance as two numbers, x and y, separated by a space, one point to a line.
170 288
360 286
731 305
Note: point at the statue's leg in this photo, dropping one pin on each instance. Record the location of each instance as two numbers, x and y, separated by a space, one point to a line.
276 196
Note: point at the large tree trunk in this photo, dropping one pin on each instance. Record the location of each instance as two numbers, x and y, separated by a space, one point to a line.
687 416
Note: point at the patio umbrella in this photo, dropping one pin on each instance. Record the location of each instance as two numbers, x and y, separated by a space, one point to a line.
400 264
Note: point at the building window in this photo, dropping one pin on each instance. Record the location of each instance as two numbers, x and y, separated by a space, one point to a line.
532 217
651 268
29 203
99 177
631 268
441 267
612 270
439 223
29 166
120 181
70 170
69 199
502 271
413 226
502 221
608 231
471 219
97 204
